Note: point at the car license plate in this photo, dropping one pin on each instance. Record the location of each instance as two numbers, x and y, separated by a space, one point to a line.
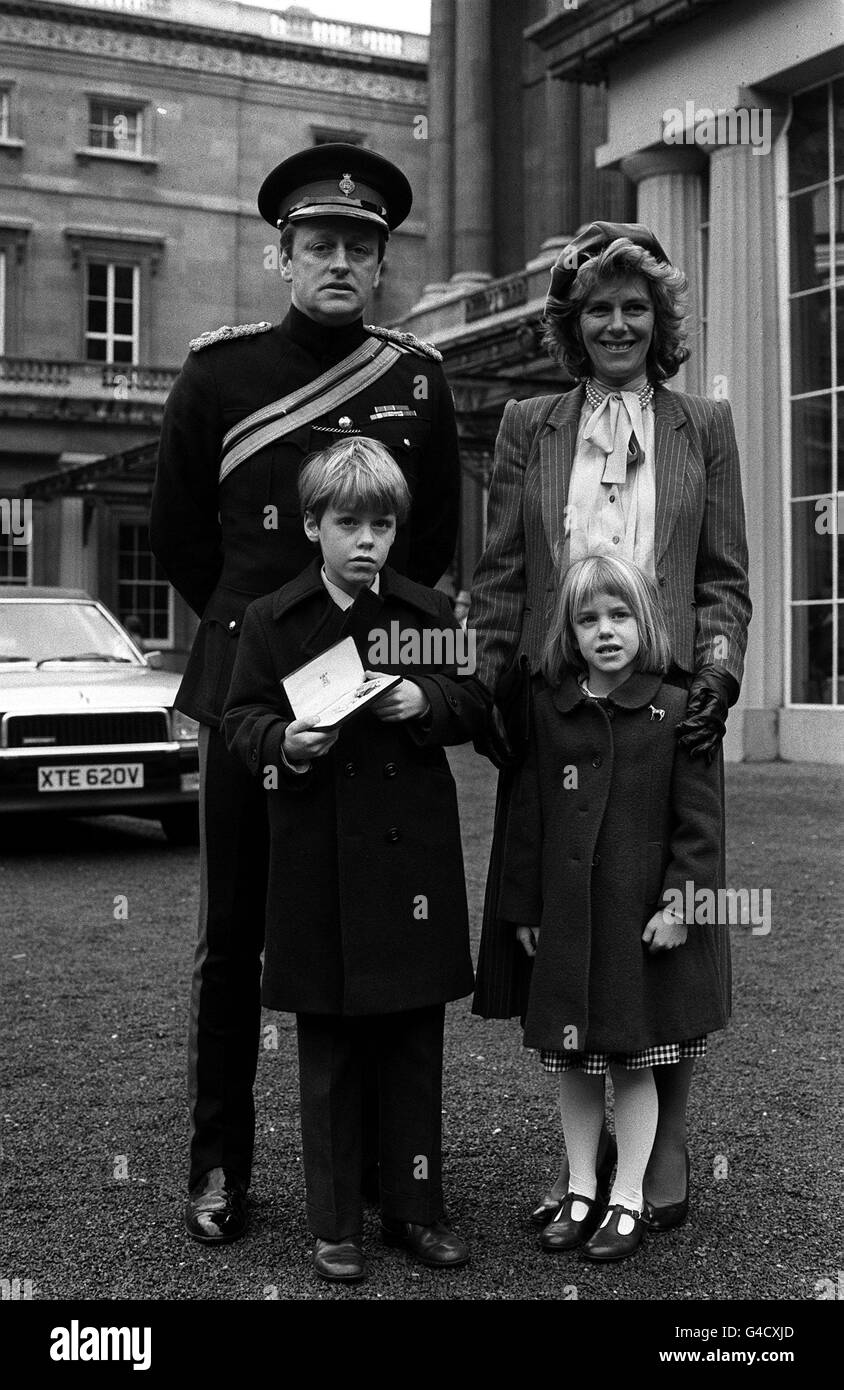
94 777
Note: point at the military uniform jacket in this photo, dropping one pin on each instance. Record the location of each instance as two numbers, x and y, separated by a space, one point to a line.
589 861
223 545
366 903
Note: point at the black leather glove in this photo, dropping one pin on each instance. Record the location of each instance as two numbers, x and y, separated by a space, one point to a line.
712 692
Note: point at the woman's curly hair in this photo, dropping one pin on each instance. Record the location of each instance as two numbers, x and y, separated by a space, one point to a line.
668 289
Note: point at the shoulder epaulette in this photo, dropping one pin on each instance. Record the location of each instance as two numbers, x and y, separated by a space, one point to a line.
405 340
222 335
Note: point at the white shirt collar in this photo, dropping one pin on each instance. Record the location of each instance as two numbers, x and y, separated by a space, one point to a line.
340 597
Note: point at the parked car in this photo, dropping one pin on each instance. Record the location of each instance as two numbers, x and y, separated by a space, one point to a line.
87 720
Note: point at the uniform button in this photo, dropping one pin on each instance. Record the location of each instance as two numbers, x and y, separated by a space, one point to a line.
616 539
407 443
596 859
344 421
597 760
392 835
610 712
253 756
390 770
232 625
452 700
612 499
349 770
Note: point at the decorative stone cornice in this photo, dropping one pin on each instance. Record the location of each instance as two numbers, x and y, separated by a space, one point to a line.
258 60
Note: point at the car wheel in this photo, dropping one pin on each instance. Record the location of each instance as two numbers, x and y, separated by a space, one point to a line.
181 824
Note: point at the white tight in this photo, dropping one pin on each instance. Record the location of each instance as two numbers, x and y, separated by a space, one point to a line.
582 1114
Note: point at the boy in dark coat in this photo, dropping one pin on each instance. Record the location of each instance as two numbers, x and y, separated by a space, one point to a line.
367 924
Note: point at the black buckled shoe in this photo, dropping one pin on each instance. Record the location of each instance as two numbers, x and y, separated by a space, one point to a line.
548 1206
672 1214
608 1243
564 1233
436 1245
215 1211
339 1261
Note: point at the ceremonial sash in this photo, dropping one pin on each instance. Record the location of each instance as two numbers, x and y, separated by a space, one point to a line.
272 422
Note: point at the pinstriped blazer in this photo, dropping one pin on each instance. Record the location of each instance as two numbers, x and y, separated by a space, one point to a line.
700 547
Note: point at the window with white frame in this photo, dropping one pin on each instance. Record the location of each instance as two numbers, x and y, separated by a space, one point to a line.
111 311
142 589
816 292
115 125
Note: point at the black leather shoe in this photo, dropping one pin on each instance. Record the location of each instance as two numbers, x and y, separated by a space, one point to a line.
547 1208
608 1244
566 1234
436 1245
215 1211
673 1214
340 1261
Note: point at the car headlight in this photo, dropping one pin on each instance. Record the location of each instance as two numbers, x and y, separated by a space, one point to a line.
183 728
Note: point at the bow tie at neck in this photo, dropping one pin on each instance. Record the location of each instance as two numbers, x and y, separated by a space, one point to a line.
615 427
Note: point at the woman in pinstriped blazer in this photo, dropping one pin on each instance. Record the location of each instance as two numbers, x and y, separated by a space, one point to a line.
618 465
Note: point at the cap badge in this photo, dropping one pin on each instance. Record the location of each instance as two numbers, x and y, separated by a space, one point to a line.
347 185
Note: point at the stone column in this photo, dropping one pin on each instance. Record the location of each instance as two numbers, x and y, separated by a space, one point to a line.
743 365
562 164
440 227
72 569
473 181
669 189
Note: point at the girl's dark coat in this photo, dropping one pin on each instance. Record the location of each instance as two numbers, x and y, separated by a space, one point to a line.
608 815
366 904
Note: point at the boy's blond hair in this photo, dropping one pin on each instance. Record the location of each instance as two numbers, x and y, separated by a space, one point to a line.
354 473
605 574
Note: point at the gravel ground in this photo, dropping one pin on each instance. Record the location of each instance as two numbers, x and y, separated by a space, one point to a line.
94 1129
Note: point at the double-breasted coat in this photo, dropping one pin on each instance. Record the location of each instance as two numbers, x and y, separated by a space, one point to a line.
366 904
608 816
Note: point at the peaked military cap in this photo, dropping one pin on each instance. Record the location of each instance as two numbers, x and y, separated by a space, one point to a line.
336 180
591 241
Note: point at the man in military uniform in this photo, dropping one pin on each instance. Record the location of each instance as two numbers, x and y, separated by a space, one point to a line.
249 405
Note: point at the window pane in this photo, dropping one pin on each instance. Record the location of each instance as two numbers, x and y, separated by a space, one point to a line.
838 310
123 319
96 316
811 654
811 356
97 278
838 695
95 349
122 352
810 240
808 139
811 553
838 124
811 446
123 278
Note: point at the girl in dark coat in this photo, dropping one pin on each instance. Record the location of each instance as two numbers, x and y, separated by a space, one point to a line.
612 821
367 924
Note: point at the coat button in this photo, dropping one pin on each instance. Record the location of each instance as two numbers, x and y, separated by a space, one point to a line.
610 712
232 625
597 760
596 859
344 421
253 755
390 770
392 835
349 770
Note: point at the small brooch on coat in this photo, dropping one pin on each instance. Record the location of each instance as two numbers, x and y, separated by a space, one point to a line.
656 713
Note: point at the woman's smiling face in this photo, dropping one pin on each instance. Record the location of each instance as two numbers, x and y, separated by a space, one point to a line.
617 326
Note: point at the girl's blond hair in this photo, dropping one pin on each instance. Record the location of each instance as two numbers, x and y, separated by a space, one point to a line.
605 574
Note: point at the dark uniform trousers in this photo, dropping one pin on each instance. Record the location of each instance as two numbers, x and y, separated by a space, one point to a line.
335 1054
225 1017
